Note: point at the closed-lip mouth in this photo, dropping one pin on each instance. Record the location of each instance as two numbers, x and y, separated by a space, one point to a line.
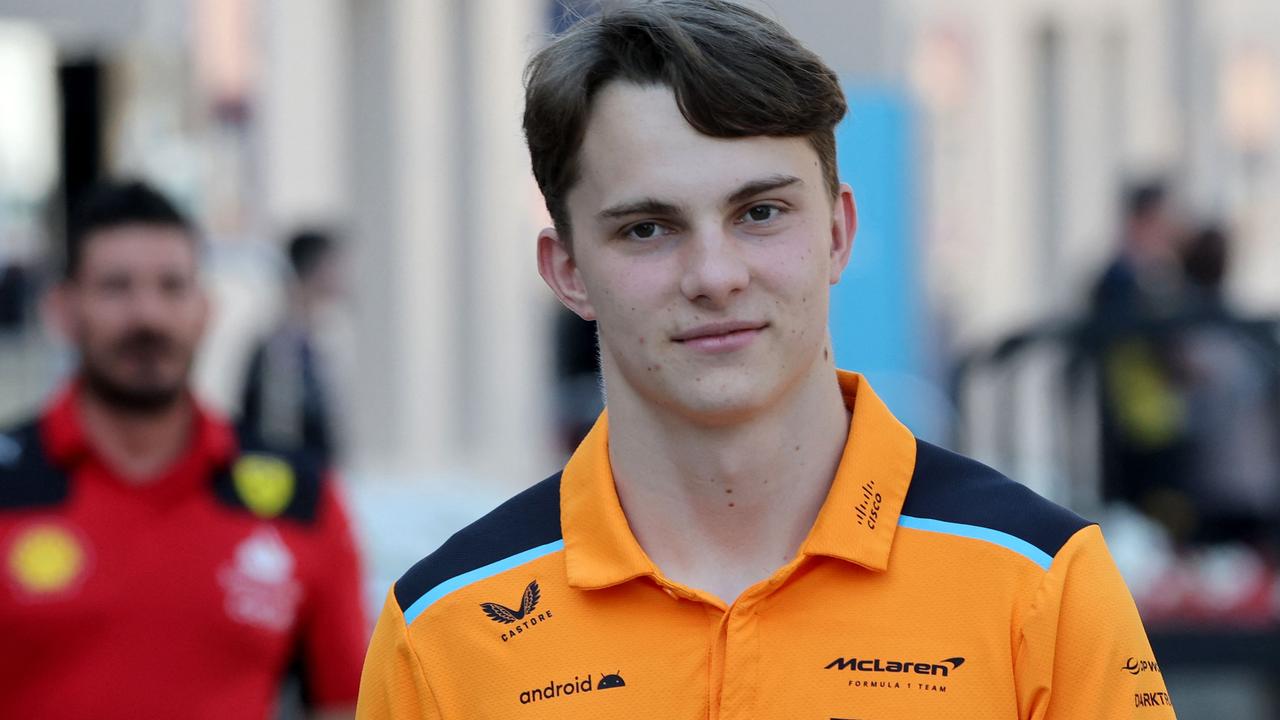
720 328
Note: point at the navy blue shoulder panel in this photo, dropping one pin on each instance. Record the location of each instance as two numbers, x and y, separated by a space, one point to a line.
28 478
953 488
526 521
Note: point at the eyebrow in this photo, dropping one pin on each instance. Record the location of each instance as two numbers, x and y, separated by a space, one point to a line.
643 206
755 187
653 206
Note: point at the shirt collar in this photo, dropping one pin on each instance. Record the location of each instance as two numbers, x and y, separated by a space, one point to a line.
858 519
856 522
213 441
600 549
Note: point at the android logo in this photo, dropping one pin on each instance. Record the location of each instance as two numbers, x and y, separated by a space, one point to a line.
610 681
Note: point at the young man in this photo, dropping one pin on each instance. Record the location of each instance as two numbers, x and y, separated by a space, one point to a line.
151 566
747 532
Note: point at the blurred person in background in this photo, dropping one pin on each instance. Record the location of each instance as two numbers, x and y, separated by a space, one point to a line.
578 401
1145 421
1234 407
14 292
153 566
287 400
1205 259
746 531
1145 276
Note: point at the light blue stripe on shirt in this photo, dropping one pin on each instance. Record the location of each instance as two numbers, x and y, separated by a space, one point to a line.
473 576
1005 540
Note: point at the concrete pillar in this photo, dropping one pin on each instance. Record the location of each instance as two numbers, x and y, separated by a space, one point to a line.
507 416
406 205
1090 165
1007 250
303 111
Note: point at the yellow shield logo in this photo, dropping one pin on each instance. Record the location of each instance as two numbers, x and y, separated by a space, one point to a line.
46 559
265 484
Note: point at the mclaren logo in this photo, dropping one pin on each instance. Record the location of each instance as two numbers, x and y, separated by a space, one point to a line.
878 674
521 619
942 668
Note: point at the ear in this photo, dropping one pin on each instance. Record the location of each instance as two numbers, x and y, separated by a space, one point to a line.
559 271
844 224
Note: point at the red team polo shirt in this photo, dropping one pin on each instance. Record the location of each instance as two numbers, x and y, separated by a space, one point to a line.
187 596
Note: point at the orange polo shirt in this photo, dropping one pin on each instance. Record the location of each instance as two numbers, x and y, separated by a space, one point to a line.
929 587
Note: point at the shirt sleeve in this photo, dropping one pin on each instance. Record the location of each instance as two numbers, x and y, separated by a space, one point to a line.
393 684
1082 650
335 628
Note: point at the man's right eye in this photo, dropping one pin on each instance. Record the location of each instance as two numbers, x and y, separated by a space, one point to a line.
643 231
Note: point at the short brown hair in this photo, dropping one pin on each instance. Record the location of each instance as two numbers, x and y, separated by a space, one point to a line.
112 203
734 73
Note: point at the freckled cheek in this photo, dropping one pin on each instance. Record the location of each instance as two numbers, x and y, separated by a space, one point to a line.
789 264
635 296
633 323
792 282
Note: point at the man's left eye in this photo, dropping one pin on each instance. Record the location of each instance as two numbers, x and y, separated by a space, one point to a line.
761 213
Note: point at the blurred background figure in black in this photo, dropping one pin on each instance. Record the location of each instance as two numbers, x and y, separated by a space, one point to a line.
1145 442
1231 403
1205 259
14 294
1145 276
288 398
579 395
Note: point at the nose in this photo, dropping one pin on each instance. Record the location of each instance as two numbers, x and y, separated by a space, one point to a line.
149 305
714 268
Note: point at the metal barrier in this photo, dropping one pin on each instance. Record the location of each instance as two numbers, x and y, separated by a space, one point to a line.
1072 361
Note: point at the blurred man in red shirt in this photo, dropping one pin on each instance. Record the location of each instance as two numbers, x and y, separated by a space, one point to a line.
151 566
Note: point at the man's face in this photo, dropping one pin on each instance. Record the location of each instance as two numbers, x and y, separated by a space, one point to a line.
135 311
326 281
707 262
1153 235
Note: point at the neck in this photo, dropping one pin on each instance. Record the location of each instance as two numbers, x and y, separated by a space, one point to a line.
721 508
137 446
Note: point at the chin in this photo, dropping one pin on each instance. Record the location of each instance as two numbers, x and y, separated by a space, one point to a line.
142 396
715 401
